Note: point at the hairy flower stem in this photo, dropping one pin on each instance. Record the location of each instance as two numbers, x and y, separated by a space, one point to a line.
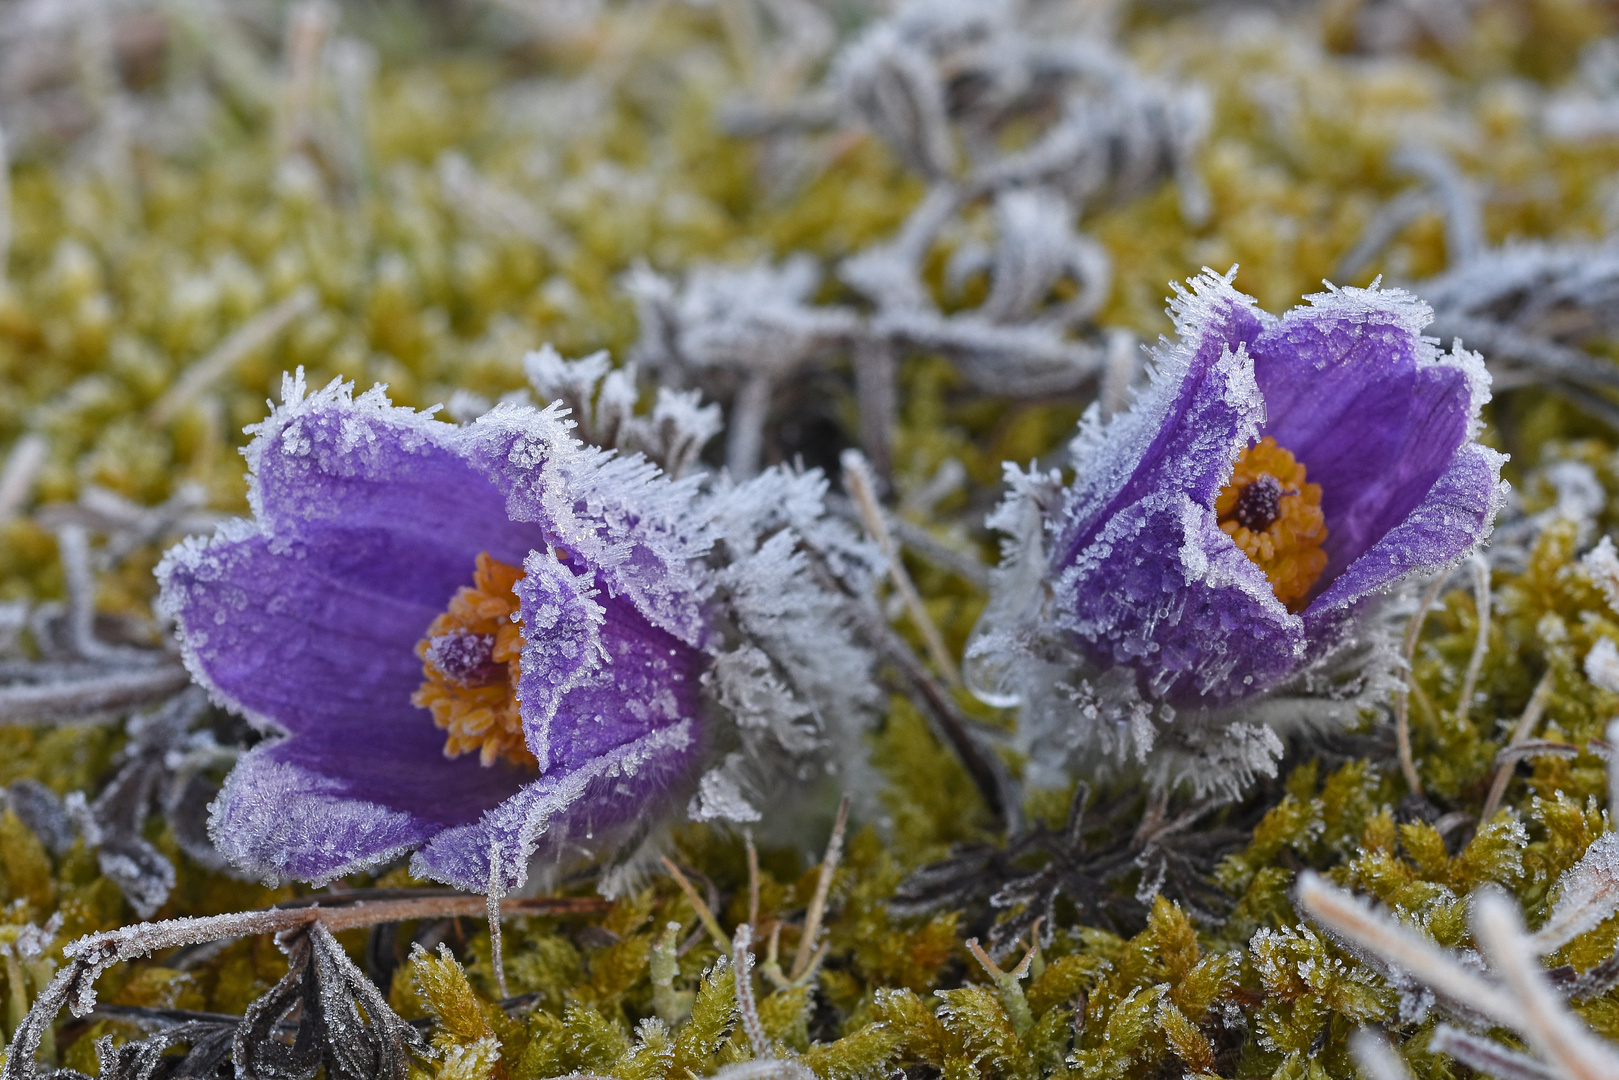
22 467
722 941
1526 727
823 887
1402 699
1481 644
746 1007
862 485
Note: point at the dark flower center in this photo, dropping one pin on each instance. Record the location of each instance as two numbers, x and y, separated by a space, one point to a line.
471 661
1259 504
466 659
1274 516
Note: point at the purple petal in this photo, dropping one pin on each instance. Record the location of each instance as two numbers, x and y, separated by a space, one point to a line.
595 675
281 821
571 811
1455 514
1374 411
616 515
1185 430
1164 591
332 462
1146 578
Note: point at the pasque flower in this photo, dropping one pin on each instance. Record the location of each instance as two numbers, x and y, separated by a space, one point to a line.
1225 540
490 642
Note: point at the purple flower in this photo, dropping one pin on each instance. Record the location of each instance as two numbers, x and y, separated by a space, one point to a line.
548 604
1207 575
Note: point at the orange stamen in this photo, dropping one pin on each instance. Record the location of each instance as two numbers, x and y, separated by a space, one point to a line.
470 658
1278 523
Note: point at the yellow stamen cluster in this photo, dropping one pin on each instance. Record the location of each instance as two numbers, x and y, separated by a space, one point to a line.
1275 518
470 658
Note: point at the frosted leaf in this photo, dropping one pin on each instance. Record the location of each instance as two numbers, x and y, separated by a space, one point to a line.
1602 665
719 795
1602 563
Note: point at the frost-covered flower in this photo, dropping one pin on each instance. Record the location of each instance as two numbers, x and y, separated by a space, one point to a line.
1209 571
488 642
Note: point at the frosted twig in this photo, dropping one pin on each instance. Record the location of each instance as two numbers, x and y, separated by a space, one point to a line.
704 915
497 957
1382 936
764 1069
246 339
1613 771
90 695
753 877
1456 195
22 467
1509 756
1481 644
1486 1055
1525 728
745 446
1376 1058
5 212
73 549
309 24
1389 221
863 488
1402 697
922 543
746 1007
823 888
874 390
496 210
1542 1019
1124 364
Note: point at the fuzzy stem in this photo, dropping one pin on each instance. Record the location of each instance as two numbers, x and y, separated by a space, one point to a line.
1376 1058
497 959
1481 644
823 887
1486 1056
242 342
1402 699
704 915
1541 1018
1526 727
857 475
745 447
27 457
753 877
746 1006
28 703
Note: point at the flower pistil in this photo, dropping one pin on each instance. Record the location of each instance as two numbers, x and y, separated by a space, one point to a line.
470 660
1275 518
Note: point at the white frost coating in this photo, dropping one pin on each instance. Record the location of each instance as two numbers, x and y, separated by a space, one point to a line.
638 529
293 805
1588 894
561 639
1602 665
1106 454
719 795
535 807
800 685
1602 563
201 556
